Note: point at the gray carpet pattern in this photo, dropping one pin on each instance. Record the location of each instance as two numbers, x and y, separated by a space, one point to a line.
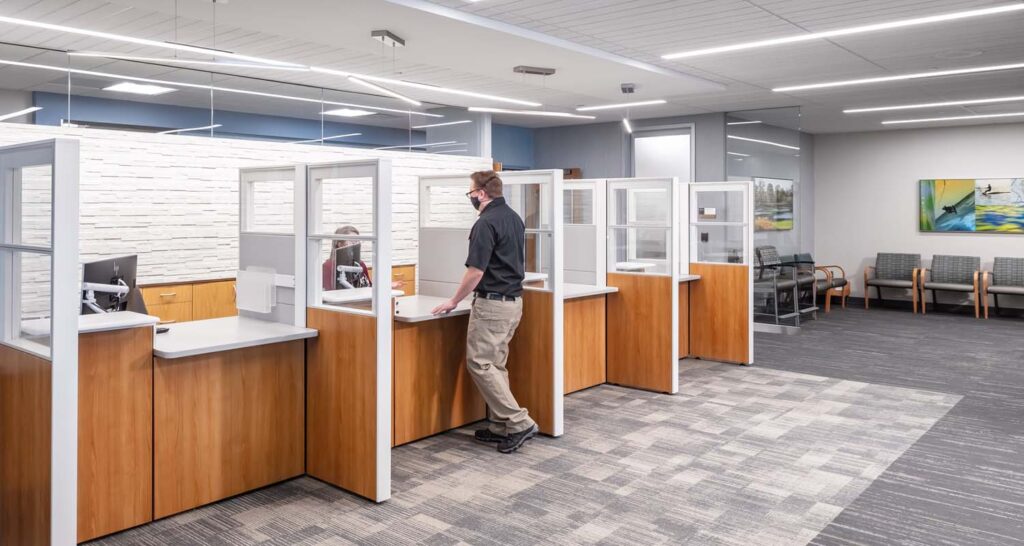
742 456
962 482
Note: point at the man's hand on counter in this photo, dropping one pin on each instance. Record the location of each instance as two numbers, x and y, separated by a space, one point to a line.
445 308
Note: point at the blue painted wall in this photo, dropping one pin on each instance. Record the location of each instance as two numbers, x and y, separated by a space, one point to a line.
235 124
512 146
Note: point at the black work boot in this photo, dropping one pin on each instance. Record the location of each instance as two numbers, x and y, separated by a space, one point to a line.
516 440
485 435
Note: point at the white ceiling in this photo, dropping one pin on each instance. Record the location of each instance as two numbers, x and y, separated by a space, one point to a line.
594 44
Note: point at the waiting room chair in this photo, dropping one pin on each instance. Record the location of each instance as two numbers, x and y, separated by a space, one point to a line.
892 270
774 281
835 283
1006 277
952 274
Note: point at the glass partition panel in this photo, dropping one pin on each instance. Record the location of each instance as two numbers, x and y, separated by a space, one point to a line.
443 204
268 200
640 226
720 222
531 197
36 206
578 204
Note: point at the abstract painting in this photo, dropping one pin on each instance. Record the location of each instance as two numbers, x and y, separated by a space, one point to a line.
773 204
972 205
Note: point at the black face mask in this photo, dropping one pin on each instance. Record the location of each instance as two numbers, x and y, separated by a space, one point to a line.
475 201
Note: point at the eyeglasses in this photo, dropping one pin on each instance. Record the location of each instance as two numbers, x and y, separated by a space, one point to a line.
468 193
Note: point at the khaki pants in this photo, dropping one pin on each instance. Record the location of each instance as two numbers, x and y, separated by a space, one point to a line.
492 324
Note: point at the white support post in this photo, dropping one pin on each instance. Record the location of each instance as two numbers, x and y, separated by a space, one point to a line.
382 308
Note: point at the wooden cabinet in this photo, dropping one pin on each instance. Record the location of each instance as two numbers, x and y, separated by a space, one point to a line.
191 301
213 300
406 274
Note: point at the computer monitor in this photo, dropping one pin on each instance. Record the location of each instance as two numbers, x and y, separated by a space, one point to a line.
345 256
113 272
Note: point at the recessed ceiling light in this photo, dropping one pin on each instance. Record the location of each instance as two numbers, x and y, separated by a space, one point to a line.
139 88
629 128
179 60
19 113
1018 98
348 112
540 113
743 123
190 129
385 90
952 118
847 31
901 77
423 86
445 124
621 105
768 142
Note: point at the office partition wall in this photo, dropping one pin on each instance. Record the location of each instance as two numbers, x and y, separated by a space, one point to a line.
39 303
585 231
721 240
348 434
643 317
536 351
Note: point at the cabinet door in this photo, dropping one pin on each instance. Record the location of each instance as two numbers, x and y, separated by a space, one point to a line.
407 275
213 300
171 312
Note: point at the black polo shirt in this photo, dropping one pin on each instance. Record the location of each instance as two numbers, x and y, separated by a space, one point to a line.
497 246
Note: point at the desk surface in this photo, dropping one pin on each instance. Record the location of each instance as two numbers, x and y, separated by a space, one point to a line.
417 308
223 334
104 322
353 295
688 278
633 266
573 290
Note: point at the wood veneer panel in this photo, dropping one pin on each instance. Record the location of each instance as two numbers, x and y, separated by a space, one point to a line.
213 300
585 343
531 366
720 307
341 404
115 431
226 423
640 331
25 412
433 391
684 319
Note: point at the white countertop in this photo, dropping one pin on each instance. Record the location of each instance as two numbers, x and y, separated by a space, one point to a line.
633 266
534 276
353 295
417 308
572 290
103 322
223 334
688 278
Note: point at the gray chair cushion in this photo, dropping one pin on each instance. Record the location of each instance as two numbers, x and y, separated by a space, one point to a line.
1008 272
890 283
954 269
892 266
1014 290
838 282
949 286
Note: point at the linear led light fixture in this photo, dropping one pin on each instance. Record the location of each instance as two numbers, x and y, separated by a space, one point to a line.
901 77
625 123
540 113
768 142
738 154
743 123
203 128
447 145
952 118
934 104
178 60
621 105
67 70
348 112
463 150
427 145
144 41
423 86
12 115
847 31
445 124
139 88
346 135
385 90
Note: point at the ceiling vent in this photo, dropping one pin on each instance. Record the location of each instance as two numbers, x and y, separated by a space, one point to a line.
533 70
387 38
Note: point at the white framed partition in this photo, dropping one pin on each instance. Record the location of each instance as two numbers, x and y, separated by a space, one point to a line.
348 435
39 282
586 228
537 350
721 233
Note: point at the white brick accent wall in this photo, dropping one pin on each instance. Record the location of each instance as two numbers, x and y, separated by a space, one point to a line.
173 199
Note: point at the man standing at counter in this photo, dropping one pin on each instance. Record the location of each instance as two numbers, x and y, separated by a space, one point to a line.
495 269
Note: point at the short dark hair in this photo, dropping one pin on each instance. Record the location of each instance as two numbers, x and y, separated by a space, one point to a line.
489 181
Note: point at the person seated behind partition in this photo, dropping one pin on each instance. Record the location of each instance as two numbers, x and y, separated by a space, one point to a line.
344 268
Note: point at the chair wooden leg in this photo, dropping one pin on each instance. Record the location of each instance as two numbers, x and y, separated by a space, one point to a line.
986 305
846 294
924 303
867 296
828 301
977 314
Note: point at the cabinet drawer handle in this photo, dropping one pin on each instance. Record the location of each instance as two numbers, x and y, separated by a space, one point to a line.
168 295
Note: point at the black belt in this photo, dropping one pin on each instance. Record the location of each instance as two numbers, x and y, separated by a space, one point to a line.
495 296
